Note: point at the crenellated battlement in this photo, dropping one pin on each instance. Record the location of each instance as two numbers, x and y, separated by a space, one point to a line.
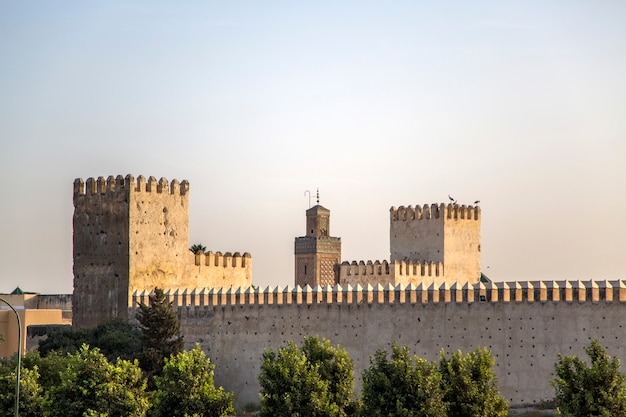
375 268
128 184
494 292
393 273
435 211
227 260
402 268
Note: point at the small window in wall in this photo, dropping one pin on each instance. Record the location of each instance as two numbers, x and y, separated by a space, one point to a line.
304 269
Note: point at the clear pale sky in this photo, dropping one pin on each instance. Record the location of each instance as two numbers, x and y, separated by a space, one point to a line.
519 104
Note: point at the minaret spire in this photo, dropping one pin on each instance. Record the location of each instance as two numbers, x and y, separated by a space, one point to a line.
317 253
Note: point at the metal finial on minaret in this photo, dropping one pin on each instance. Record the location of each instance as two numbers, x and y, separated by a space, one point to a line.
318 196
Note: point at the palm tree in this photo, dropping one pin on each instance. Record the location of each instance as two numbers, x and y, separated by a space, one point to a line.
197 248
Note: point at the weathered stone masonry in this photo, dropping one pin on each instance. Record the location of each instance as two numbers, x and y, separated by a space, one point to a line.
524 324
131 235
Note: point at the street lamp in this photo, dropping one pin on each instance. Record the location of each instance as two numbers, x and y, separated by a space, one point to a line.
19 358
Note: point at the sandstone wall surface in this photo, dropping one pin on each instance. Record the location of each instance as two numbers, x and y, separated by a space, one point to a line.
525 326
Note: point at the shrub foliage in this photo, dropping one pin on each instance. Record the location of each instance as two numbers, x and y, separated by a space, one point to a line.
470 385
404 386
316 380
590 390
187 388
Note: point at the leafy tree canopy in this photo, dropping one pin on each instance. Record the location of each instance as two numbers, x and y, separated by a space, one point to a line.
471 387
91 385
187 388
64 339
404 386
195 248
334 366
316 380
49 367
590 390
31 402
115 338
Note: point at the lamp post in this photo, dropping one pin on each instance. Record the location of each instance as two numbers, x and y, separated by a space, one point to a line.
19 358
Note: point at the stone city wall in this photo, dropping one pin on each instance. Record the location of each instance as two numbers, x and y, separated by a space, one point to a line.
524 324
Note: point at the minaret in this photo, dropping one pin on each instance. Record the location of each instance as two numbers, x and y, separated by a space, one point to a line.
317 254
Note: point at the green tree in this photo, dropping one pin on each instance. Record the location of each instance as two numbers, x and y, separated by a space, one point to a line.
290 385
90 385
316 380
470 386
404 386
160 334
195 248
31 394
64 339
595 390
115 338
48 367
187 388
336 367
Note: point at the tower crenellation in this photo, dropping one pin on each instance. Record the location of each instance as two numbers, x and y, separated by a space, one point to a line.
119 184
434 211
235 260
390 273
132 234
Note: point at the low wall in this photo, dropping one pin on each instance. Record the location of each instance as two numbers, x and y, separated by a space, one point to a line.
525 325
54 301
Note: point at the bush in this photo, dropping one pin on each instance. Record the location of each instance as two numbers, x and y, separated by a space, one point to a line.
595 390
31 398
316 380
93 386
115 338
187 388
471 387
403 387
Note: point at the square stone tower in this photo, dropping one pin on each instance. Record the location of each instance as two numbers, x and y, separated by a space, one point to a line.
127 235
132 236
317 255
438 233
